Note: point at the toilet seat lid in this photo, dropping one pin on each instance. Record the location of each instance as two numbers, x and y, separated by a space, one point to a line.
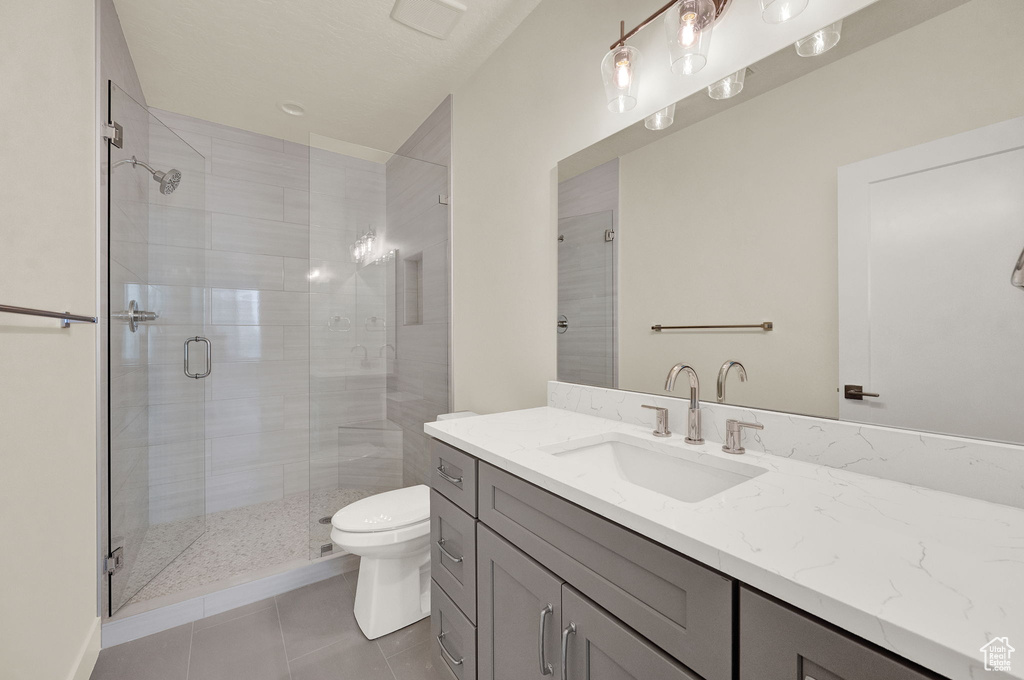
385 511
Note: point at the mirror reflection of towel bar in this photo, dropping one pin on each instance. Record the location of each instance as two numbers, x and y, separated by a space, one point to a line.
765 326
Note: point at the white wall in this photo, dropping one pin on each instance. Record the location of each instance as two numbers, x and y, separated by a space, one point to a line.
538 99
760 241
48 621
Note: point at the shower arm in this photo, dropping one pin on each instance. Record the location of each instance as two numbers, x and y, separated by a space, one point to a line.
135 161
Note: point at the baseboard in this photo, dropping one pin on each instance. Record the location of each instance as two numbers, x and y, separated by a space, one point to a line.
87 656
132 627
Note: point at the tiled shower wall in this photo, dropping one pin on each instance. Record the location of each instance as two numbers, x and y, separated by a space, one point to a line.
418 227
588 204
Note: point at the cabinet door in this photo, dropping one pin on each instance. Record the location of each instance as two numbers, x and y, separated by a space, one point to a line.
520 612
597 646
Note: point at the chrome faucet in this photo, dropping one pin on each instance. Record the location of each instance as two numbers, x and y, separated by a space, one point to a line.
660 420
734 435
723 373
693 429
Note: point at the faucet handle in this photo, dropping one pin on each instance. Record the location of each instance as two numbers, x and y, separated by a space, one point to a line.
661 420
734 435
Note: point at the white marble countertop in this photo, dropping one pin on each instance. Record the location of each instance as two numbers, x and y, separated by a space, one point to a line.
928 575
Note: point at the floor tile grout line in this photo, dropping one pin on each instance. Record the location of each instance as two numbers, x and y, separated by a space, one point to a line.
191 636
284 644
388 664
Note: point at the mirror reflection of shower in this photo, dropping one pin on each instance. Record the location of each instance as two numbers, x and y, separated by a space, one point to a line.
168 180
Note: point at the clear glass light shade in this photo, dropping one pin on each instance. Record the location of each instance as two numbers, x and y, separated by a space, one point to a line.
688 27
661 119
821 41
777 11
729 86
620 70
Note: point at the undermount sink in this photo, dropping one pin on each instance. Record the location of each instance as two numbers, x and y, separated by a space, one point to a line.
681 478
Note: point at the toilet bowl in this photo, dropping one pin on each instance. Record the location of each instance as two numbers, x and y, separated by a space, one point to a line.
391 534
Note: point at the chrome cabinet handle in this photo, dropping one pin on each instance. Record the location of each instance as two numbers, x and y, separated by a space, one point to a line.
569 630
545 667
447 477
209 357
448 655
453 558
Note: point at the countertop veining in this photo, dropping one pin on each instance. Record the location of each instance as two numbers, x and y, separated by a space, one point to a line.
928 575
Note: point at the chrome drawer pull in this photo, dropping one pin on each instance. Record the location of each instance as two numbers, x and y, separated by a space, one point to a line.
444 650
545 667
447 477
453 558
569 630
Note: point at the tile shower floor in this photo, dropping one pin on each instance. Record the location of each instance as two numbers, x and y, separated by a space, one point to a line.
239 541
305 634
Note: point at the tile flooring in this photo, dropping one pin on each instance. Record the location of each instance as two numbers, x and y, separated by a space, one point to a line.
305 634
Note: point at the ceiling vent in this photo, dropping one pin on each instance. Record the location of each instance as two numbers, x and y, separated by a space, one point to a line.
433 17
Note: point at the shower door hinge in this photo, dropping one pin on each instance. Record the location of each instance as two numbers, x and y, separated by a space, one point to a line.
115 133
442 199
609 235
115 561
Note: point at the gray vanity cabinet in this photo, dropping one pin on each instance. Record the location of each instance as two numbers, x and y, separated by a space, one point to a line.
781 643
553 583
520 612
600 647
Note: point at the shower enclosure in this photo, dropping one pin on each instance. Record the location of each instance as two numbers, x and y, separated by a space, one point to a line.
275 326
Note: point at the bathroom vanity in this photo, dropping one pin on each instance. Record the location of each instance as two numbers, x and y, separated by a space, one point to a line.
550 564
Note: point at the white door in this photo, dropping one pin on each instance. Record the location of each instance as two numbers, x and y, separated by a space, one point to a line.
928 318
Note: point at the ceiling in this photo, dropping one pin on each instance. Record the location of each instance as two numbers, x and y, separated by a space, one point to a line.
361 76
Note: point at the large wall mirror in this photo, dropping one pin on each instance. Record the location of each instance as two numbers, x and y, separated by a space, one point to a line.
867 202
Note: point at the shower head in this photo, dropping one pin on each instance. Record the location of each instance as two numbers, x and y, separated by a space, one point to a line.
168 180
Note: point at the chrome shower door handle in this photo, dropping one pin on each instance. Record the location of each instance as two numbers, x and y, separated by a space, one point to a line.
569 630
209 357
545 667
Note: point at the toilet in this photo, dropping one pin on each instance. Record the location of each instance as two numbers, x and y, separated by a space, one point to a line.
390 532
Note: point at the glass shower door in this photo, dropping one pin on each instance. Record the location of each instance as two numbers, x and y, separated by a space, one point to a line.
158 353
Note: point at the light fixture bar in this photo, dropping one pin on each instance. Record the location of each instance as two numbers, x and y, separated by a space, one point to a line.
624 36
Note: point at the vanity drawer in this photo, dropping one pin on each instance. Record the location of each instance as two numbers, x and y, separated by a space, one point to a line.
778 642
454 532
453 473
452 634
681 606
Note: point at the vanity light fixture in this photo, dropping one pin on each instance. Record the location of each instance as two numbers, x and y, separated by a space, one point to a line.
620 70
364 247
688 25
820 41
778 11
729 86
660 120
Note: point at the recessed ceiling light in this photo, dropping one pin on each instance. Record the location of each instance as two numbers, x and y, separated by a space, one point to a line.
292 108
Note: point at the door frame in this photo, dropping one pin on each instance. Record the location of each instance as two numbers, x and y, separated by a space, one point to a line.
855 182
